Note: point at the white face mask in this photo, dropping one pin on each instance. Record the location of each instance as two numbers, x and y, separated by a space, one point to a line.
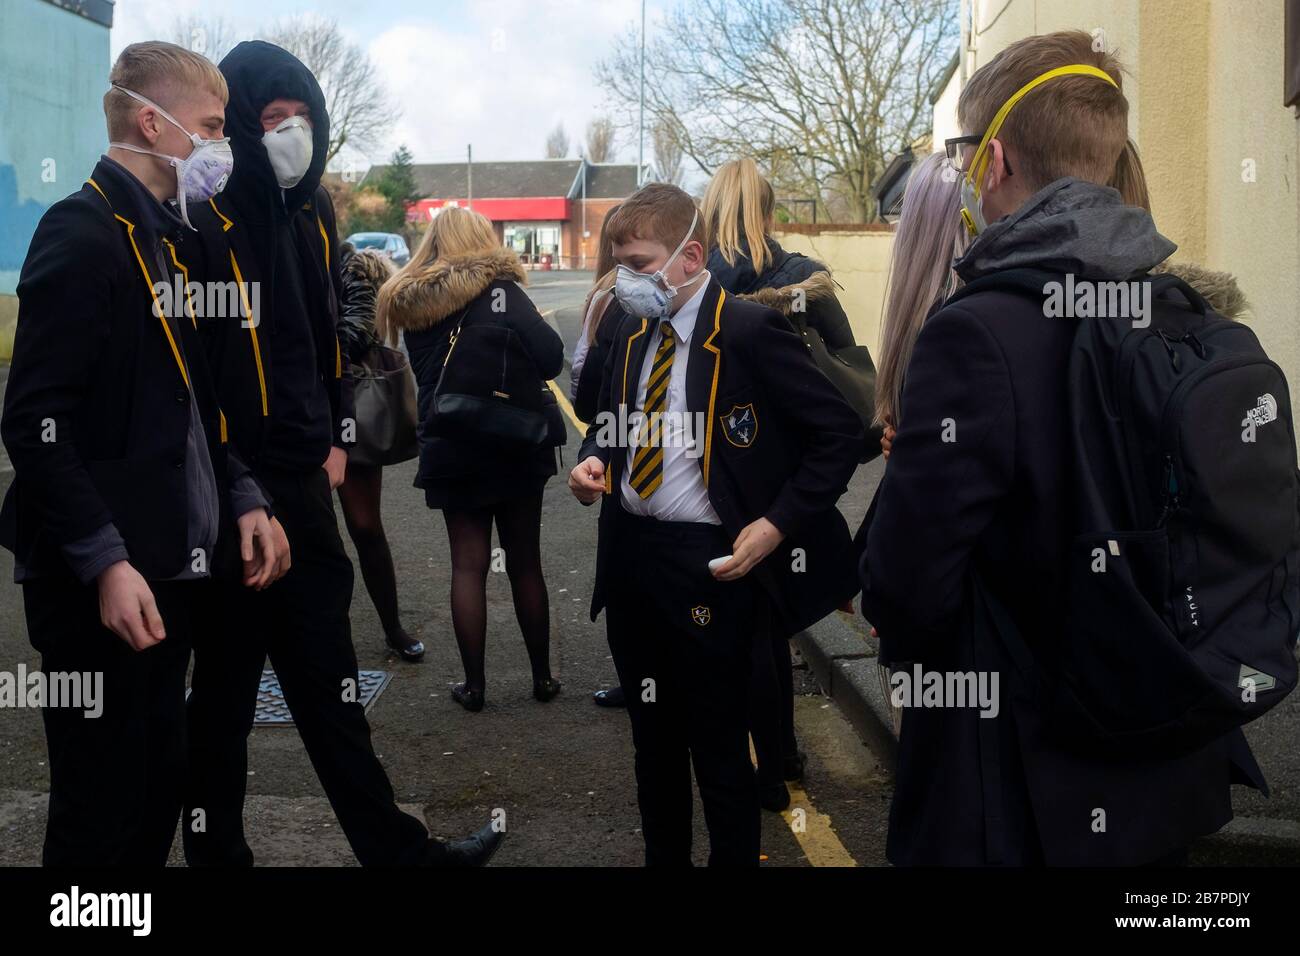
650 296
200 175
289 148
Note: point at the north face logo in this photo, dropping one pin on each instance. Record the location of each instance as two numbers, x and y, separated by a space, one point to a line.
1264 411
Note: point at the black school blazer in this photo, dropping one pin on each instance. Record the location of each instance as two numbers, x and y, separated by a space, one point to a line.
95 368
791 467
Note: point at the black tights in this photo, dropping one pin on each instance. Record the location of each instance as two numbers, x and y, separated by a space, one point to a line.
519 526
359 495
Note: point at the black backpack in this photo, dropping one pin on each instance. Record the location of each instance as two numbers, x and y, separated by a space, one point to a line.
1184 571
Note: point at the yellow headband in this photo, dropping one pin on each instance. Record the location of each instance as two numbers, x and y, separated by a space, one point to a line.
975 173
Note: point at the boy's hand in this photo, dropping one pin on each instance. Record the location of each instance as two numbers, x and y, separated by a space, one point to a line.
263 547
127 607
754 543
282 556
587 480
336 466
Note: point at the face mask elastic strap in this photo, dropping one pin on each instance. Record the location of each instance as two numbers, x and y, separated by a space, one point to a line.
195 138
148 102
695 217
975 173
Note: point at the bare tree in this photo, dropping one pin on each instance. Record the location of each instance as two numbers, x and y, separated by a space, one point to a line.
359 108
557 143
355 98
668 151
822 93
210 37
600 139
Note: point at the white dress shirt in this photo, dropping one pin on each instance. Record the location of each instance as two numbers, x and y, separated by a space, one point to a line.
681 496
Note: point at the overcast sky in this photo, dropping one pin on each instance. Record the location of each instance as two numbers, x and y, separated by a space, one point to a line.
495 73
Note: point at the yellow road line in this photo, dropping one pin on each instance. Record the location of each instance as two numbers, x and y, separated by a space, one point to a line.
817 838
563 401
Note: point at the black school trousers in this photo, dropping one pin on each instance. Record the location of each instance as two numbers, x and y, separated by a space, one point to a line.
681 642
116 780
301 624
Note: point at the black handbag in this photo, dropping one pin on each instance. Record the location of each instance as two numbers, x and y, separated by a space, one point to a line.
385 408
491 393
853 373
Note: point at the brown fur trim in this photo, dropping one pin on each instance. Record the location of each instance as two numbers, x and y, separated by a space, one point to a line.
1220 289
370 266
817 286
419 299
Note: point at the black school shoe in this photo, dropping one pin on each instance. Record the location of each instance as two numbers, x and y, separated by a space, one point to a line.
407 647
612 697
471 700
474 850
545 690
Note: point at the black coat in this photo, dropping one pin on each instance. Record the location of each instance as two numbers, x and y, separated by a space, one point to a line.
792 471
977 484
426 306
96 411
785 272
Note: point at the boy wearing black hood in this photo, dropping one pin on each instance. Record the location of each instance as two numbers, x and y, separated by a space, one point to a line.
975 508
286 390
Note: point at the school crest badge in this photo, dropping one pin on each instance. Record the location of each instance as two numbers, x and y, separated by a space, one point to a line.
701 615
740 425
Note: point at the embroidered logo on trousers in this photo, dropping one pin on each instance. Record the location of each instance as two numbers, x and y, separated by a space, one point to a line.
700 615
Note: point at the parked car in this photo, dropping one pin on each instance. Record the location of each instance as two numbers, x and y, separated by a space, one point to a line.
389 244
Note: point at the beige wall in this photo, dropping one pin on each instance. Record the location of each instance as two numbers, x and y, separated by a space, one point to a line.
1251 227
859 261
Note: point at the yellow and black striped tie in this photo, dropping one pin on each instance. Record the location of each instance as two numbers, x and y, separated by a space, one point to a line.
648 461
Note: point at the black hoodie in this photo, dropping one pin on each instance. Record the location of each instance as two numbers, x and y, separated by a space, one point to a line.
283 380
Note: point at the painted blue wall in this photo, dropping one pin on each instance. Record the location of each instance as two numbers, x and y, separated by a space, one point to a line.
53 74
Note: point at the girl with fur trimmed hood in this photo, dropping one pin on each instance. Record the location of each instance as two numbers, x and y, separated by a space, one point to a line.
739 205
462 274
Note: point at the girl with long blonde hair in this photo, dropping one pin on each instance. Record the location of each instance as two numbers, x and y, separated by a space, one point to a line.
462 277
739 212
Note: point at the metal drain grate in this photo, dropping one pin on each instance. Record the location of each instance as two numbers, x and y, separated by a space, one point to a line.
271 708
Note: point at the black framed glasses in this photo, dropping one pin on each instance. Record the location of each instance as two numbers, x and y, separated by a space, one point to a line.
960 149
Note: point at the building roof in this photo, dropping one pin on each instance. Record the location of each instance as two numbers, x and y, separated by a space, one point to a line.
942 83
888 188
523 179
100 11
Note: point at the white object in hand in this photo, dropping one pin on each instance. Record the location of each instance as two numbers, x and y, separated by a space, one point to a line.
719 562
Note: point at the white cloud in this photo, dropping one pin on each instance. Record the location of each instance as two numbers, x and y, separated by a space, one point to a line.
501 79
496 73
